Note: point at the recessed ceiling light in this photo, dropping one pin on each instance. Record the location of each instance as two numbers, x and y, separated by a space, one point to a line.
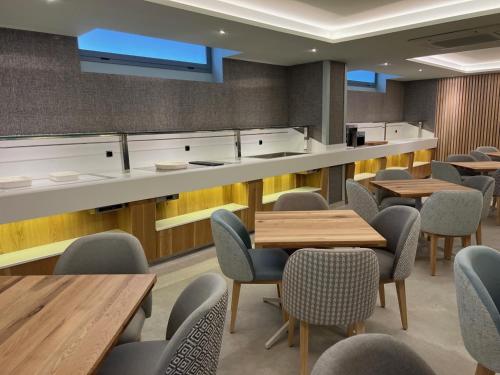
314 50
420 70
385 64
222 32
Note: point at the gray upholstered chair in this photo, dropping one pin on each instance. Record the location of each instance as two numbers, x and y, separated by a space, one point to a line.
301 202
239 262
109 253
329 287
479 156
486 185
385 198
361 200
487 149
477 281
450 214
193 337
372 354
462 158
400 226
445 172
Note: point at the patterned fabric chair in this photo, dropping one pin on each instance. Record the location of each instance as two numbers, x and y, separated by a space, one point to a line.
109 253
193 337
446 172
477 281
400 226
372 354
450 214
329 287
496 193
460 158
239 262
361 200
479 156
385 198
301 202
486 185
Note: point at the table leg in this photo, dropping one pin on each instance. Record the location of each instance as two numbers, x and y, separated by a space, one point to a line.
274 338
418 203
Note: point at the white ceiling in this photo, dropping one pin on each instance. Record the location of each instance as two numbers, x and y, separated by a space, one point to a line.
259 42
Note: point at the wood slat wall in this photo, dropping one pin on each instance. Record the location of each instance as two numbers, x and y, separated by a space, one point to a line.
467 114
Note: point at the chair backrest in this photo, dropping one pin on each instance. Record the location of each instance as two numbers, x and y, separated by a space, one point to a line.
487 149
389 174
486 185
105 253
496 176
477 281
231 245
373 354
479 156
452 213
301 202
361 200
195 328
400 226
331 287
446 172
461 158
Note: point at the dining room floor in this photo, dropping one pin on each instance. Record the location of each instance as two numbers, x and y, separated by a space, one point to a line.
433 332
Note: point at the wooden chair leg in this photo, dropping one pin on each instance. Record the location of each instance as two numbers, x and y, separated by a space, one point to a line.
448 247
401 292
466 240
381 292
291 330
360 328
481 370
279 287
355 329
433 253
304 347
234 304
479 237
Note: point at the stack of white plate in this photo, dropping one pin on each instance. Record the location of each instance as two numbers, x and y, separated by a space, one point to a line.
170 165
64 176
12 182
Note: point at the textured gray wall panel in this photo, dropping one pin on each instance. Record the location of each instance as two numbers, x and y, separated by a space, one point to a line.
42 90
420 102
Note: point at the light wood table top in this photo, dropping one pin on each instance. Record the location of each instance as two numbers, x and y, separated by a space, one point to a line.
417 188
64 324
478 166
323 229
495 154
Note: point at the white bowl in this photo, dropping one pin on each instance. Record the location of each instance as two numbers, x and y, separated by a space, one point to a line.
170 165
12 182
64 176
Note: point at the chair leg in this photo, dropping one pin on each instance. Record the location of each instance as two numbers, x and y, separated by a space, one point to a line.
448 247
479 237
401 292
381 292
481 370
279 287
498 210
291 330
466 240
304 347
433 253
234 304
355 329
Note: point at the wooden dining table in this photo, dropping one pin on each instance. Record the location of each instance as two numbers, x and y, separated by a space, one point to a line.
65 324
312 229
418 188
478 166
494 155
323 229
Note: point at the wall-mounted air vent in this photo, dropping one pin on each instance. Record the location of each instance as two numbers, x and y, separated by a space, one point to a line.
484 36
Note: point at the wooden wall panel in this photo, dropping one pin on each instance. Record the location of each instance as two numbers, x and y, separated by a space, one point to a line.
467 114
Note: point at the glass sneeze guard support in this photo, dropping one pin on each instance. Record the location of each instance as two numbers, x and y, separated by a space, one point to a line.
125 154
237 144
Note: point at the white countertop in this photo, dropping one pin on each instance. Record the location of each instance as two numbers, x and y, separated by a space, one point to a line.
118 187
